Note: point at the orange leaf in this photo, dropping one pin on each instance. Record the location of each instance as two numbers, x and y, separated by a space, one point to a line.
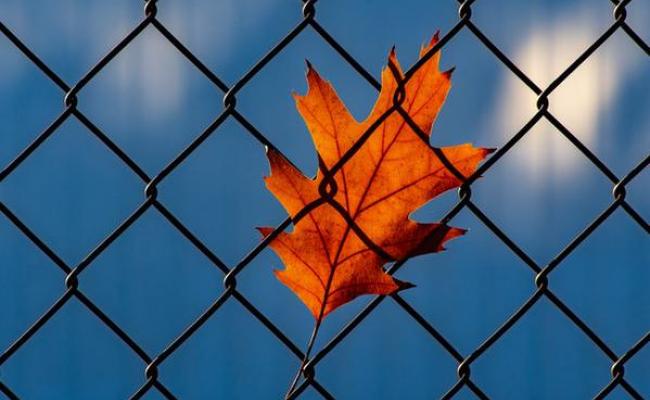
393 173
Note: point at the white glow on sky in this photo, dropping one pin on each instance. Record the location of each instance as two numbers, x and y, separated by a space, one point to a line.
543 53
156 72
150 67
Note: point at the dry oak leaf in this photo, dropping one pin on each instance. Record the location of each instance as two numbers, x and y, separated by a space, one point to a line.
393 173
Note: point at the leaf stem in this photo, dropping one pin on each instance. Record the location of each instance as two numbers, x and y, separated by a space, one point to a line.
305 359
321 313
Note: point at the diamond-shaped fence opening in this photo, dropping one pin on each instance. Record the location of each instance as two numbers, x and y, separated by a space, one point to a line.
72 271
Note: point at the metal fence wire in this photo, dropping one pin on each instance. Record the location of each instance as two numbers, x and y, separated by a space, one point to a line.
540 273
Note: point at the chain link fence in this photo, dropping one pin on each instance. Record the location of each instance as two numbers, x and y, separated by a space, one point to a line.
540 273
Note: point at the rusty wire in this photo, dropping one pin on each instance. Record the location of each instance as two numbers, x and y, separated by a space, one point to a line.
327 190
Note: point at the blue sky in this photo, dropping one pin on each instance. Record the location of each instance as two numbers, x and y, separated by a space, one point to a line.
150 101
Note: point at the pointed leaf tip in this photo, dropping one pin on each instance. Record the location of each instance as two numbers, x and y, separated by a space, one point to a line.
311 72
449 72
264 230
402 285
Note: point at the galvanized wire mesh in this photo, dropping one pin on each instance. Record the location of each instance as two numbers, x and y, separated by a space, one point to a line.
230 293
